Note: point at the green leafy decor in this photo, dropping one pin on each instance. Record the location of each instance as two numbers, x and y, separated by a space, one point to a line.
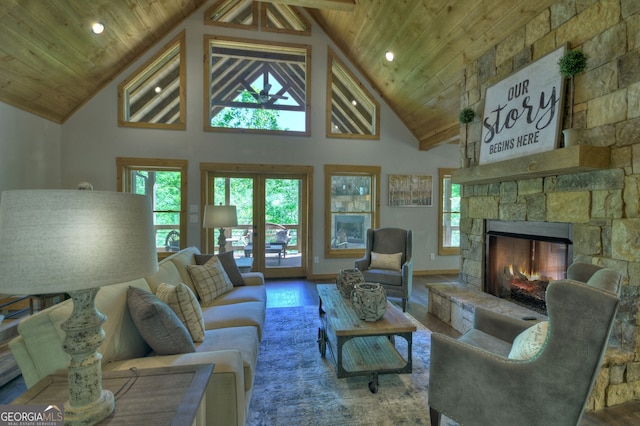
572 63
467 115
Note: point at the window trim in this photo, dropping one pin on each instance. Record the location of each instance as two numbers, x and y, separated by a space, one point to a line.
444 251
331 170
125 164
139 73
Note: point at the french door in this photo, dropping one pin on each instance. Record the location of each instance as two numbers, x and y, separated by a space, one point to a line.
271 206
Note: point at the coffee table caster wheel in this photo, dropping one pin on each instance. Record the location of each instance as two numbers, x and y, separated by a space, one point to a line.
322 342
373 384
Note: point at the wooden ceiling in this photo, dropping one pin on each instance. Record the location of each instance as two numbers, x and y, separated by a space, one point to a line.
51 64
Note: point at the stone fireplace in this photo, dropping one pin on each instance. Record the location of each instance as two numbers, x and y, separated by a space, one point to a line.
523 257
594 186
591 202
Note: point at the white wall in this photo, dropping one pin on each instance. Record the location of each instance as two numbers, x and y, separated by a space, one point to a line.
91 141
29 150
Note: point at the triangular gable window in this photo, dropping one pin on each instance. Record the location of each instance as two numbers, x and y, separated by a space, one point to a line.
283 18
154 95
257 86
354 113
275 17
233 13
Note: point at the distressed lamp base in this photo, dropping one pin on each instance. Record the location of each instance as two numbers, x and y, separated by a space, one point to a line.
88 403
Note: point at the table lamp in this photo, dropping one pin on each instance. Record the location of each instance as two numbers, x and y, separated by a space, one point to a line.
221 217
76 242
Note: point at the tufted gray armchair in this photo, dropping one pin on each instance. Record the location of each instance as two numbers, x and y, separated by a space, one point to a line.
474 382
397 283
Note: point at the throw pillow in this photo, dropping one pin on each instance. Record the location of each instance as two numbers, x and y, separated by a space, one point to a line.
386 261
228 263
158 325
530 342
210 280
184 303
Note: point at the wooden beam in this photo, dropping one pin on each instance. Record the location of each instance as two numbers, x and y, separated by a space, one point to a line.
445 136
341 5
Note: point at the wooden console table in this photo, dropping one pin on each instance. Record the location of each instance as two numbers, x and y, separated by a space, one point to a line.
156 396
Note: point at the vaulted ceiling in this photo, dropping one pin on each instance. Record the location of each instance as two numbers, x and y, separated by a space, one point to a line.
51 64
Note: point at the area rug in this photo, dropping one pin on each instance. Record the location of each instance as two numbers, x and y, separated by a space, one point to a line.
294 385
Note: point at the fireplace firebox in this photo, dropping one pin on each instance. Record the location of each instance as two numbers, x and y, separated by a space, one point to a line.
523 257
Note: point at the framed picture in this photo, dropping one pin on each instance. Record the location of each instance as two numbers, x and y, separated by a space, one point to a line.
410 191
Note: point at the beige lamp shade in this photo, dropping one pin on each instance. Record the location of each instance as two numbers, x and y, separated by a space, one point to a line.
65 240
219 216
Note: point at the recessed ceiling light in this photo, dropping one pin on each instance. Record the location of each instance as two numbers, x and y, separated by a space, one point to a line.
158 89
97 27
354 102
389 56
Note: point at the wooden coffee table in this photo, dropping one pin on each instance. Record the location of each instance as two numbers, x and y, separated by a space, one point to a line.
361 348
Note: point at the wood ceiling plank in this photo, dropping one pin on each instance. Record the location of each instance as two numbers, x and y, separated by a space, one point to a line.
32 97
37 64
411 58
501 28
40 89
6 6
373 40
59 45
438 54
511 20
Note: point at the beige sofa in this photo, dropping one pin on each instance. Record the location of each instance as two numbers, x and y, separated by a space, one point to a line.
233 323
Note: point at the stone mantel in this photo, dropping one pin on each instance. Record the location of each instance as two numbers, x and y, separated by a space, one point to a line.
561 161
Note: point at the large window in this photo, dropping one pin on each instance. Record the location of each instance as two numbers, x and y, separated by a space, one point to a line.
449 229
165 181
352 196
256 87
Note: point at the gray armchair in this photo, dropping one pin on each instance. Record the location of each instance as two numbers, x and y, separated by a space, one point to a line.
473 381
397 283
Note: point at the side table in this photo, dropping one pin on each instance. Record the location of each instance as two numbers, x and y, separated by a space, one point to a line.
244 263
157 396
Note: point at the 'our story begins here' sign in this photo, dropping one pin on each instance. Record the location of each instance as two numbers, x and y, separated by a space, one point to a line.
523 113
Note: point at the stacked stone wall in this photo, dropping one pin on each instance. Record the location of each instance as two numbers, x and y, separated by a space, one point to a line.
604 205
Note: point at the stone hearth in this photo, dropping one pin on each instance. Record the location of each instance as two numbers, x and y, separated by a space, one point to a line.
455 304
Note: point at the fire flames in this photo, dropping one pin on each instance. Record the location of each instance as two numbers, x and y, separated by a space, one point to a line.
528 284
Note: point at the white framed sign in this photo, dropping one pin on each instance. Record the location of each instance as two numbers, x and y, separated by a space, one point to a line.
523 113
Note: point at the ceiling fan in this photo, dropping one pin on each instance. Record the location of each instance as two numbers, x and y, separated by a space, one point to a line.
263 95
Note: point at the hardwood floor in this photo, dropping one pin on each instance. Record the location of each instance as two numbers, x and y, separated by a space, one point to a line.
297 292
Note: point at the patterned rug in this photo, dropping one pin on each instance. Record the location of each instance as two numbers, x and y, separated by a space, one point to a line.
295 386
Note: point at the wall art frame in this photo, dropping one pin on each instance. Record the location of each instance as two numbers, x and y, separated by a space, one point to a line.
410 190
